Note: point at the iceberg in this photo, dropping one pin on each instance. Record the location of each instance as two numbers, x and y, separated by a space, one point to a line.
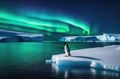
96 38
2 38
13 36
8 39
100 57
82 38
31 37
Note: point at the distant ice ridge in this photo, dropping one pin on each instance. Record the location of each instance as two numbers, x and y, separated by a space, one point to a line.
31 37
101 58
97 38
2 37
13 36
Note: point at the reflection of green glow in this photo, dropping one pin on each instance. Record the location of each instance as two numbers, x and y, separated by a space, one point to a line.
44 22
33 23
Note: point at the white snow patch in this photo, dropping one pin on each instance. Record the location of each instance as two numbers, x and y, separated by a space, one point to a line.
118 48
30 35
2 38
101 57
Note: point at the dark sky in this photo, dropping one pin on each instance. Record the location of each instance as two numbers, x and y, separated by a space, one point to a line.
105 14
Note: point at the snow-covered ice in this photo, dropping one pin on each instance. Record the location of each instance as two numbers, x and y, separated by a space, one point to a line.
96 38
30 35
100 57
14 36
1 37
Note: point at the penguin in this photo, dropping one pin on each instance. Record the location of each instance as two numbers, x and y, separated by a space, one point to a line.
67 50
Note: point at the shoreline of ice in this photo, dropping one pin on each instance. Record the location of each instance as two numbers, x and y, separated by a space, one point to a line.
100 57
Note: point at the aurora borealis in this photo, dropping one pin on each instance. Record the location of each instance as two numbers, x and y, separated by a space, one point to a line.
38 19
61 17
33 23
52 24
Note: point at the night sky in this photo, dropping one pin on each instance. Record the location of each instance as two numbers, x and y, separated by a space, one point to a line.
96 16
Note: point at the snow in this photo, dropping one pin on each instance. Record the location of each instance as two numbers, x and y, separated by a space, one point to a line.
102 38
1 37
96 38
14 36
100 57
30 35
118 48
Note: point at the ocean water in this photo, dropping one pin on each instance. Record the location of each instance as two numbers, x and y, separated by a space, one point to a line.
26 60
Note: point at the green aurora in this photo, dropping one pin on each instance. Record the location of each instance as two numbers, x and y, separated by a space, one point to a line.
42 22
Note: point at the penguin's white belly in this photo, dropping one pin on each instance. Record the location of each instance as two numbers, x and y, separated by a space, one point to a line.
66 50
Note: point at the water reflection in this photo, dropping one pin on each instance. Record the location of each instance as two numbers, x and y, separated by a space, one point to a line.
65 72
